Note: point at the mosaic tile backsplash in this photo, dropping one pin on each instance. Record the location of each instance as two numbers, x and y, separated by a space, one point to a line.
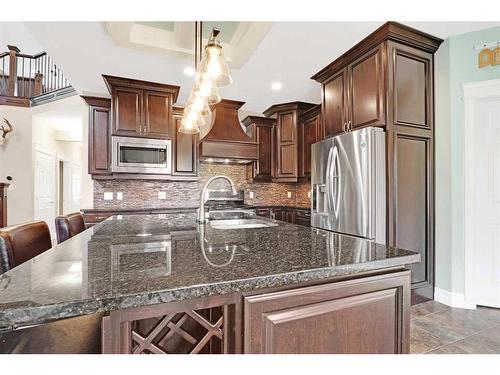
144 193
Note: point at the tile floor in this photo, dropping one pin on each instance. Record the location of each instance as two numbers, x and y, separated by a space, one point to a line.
439 329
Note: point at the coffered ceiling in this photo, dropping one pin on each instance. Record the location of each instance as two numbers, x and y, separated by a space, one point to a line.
260 53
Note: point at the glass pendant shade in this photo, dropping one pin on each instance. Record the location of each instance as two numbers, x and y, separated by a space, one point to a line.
191 121
205 88
215 66
199 104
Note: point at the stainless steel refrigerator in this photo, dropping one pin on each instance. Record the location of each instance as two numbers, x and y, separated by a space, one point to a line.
348 184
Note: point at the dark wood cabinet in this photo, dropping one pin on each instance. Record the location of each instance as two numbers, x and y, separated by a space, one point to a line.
140 108
300 216
390 83
369 315
334 93
99 151
287 144
185 150
3 204
263 131
366 98
309 133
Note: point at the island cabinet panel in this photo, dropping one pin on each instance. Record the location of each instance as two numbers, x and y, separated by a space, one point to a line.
185 151
367 90
357 316
335 104
127 111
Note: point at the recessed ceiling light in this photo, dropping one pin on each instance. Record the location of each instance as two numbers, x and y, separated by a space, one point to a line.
276 86
189 71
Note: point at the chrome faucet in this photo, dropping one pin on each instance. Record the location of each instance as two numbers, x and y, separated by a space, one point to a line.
204 198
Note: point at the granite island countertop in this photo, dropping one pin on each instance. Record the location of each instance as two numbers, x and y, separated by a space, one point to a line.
138 260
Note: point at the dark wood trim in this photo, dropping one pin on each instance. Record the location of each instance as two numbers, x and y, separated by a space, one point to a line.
148 177
3 204
15 101
300 107
140 85
389 31
97 101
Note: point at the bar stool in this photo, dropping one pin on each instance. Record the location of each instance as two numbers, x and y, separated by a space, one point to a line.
69 226
20 243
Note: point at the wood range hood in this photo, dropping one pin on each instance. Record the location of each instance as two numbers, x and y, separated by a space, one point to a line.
226 141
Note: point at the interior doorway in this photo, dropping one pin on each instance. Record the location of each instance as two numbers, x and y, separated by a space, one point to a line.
482 194
45 188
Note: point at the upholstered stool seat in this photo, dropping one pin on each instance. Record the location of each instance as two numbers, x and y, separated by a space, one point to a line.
69 226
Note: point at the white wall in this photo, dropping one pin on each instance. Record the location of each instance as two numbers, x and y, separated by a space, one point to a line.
16 160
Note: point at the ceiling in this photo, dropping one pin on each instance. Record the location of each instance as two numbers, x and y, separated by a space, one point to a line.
288 52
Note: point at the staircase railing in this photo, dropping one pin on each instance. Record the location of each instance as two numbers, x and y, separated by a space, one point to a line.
28 76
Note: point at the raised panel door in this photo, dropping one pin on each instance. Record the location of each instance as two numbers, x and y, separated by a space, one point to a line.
334 104
127 111
185 161
157 114
264 164
288 164
99 141
412 82
310 135
366 94
286 125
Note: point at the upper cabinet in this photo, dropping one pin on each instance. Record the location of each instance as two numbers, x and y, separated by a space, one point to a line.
309 133
263 131
287 138
185 150
99 156
140 108
385 78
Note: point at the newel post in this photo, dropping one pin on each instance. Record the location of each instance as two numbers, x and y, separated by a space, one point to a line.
13 51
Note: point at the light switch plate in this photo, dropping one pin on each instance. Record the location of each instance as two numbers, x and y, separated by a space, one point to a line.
289 194
162 195
119 196
252 195
108 196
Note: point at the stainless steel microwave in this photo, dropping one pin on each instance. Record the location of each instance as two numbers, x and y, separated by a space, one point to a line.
141 155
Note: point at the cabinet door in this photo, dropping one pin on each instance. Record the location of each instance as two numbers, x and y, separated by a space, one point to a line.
334 104
264 166
367 90
127 111
157 114
287 145
185 157
310 134
99 140
360 316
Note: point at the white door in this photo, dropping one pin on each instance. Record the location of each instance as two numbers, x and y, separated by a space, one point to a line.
486 201
45 188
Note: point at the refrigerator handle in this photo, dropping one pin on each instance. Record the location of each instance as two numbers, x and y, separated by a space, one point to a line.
329 180
335 177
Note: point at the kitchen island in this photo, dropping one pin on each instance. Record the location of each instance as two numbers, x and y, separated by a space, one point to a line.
164 283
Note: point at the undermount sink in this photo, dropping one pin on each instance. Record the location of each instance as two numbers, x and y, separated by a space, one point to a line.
241 224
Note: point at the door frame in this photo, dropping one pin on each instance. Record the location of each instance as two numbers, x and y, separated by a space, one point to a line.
472 93
39 149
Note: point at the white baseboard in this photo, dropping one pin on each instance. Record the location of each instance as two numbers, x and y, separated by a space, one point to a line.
449 298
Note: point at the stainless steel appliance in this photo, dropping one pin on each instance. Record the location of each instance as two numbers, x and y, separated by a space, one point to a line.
348 184
141 155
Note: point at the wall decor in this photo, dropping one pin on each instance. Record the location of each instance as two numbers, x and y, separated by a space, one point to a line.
5 128
489 54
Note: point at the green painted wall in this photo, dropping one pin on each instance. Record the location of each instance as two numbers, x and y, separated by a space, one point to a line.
455 64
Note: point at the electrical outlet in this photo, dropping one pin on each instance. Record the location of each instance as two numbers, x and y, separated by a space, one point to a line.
108 196
289 194
119 196
309 194
162 195
252 195
119 217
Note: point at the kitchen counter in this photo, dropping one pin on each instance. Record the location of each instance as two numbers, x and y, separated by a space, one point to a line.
141 260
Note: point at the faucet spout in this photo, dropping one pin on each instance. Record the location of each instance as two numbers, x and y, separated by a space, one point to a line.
203 197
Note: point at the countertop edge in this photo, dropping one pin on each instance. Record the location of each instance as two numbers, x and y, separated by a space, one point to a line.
40 314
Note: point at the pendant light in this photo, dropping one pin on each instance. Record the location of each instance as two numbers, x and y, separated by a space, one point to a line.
212 73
